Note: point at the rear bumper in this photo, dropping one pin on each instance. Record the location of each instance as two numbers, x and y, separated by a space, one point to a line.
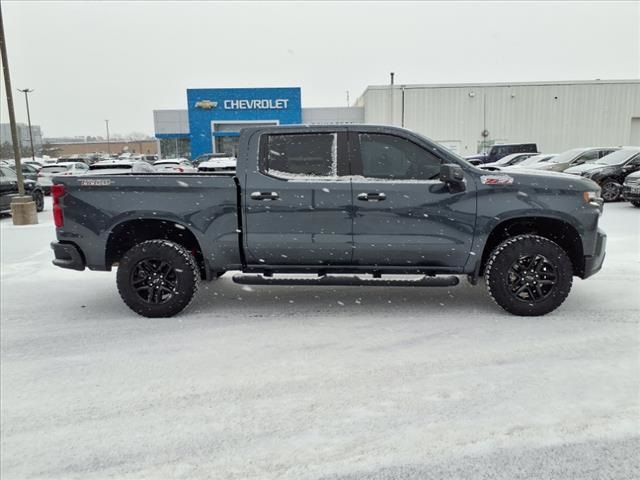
67 255
593 263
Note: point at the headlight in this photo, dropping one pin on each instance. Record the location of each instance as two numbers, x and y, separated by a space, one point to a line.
593 198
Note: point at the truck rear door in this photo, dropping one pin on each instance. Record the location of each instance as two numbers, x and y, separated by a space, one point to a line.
297 205
403 215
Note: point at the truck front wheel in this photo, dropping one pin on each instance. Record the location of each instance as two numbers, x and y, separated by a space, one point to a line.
529 275
157 278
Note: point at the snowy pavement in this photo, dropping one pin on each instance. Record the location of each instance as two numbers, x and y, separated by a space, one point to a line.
317 382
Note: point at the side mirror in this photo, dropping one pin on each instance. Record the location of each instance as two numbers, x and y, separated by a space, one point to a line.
452 174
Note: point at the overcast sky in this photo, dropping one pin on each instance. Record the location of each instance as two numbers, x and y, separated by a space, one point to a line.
88 61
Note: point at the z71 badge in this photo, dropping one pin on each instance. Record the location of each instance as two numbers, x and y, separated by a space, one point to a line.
496 180
95 182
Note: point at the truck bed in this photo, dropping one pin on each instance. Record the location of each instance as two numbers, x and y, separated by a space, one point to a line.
97 206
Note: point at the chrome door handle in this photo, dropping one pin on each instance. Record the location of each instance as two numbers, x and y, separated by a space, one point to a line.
265 196
371 197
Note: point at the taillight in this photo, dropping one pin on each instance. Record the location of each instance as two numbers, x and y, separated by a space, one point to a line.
57 192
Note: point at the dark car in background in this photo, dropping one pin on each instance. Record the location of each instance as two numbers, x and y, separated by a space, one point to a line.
9 188
610 171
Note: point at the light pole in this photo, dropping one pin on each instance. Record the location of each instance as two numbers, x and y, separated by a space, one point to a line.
108 143
23 208
26 92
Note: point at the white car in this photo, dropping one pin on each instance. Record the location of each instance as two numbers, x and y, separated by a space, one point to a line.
218 165
536 159
174 165
118 167
47 172
509 160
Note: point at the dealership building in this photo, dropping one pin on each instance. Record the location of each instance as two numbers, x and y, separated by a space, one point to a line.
464 117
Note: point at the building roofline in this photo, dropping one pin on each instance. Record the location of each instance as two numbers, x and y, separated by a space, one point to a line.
503 84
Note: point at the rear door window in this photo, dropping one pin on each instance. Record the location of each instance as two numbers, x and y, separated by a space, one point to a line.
299 155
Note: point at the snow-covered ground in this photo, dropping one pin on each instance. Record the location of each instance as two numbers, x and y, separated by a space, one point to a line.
304 382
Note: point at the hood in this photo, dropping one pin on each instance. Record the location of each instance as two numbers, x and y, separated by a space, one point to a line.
543 166
633 176
551 180
585 167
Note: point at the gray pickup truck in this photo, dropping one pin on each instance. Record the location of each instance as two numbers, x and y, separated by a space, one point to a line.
337 202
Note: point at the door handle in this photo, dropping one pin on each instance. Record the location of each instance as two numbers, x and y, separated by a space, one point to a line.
371 197
265 196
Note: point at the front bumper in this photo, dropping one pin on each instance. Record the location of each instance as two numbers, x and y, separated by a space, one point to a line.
67 255
593 263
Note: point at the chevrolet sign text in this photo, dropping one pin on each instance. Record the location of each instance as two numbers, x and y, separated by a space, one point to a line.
256 104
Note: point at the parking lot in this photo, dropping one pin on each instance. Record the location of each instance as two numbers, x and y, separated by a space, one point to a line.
309 382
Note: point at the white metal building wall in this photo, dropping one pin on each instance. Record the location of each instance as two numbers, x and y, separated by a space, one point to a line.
555 115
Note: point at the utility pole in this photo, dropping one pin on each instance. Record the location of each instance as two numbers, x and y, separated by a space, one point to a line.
26 92
348 103
108 143
23 208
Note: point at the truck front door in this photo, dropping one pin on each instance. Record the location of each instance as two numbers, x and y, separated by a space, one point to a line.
298 204
403 215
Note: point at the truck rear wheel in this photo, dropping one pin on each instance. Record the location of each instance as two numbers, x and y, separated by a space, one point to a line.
529 275
157 278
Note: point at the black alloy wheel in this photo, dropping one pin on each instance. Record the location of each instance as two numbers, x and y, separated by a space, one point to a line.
611 191
154 280
531 278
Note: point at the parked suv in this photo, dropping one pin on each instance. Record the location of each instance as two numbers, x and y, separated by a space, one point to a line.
610 171
496 152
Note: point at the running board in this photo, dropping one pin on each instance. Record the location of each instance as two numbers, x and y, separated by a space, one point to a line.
330 280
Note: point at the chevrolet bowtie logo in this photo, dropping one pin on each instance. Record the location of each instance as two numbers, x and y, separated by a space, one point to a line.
206 104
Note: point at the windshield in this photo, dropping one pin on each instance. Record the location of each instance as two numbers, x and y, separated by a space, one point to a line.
506 160
534 159
55 168
7 172
618 157
566 156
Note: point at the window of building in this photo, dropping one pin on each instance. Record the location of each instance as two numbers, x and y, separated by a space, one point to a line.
175 147
297 155
391 157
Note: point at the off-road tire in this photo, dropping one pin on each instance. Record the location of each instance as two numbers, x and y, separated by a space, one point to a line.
514 252
635 203
167 293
